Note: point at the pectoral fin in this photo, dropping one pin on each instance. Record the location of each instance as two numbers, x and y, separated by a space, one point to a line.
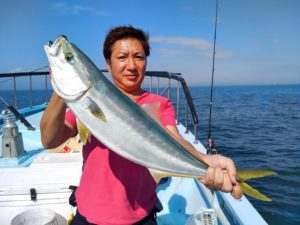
91 106
97 112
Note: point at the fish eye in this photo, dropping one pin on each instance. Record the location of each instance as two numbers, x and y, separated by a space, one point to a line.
69 57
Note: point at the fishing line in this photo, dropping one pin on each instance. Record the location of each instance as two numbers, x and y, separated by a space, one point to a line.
6 80
39 68
210 144
211 149
18 115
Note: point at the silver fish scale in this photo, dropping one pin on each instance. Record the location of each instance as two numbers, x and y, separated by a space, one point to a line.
131 133
127 130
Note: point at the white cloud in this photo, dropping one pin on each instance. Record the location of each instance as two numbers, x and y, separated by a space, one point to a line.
183 41
169 52
16 70
77 9
192 46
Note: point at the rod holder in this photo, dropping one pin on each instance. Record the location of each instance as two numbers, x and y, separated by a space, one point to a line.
12 141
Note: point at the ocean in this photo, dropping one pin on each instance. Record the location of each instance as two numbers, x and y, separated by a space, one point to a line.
257 126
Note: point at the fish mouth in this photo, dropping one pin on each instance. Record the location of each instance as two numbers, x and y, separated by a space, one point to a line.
52 48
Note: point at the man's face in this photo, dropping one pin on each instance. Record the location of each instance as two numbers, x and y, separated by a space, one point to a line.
127 64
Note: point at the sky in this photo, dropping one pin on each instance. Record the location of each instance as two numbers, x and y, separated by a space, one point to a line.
258 41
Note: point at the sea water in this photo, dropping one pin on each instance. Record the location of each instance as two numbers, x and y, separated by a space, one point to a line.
257 126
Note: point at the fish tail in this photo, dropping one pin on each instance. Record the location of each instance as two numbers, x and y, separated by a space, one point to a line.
244 175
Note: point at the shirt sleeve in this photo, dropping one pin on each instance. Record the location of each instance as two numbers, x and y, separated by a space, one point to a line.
167 113
71 119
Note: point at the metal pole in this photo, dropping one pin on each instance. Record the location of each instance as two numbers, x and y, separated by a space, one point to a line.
177 106
169 87
186 117
30 91
46 88
212 83
15 93
195 133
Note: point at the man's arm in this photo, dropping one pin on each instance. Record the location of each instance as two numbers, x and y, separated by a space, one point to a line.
221 173
54 130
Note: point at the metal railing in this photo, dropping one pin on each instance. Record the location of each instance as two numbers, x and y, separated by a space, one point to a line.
16 75
180 85
164 86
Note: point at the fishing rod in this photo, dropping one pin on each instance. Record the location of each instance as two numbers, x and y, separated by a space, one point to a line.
18 115
210 143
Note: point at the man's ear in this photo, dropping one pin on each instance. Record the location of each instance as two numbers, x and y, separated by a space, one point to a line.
108 65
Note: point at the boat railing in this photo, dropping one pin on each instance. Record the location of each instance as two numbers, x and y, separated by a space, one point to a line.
171 85
5 78
181 85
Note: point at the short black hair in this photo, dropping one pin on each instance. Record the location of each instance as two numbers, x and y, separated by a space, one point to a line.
121 32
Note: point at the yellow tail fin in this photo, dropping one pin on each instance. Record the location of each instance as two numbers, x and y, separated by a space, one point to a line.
244 175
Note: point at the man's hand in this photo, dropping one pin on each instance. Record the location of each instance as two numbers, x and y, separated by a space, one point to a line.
221 175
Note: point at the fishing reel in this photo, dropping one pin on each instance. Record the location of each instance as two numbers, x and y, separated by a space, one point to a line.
211 149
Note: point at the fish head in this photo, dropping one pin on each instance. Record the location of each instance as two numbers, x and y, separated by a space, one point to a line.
71 72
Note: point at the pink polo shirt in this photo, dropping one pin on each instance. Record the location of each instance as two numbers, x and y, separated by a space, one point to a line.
114 190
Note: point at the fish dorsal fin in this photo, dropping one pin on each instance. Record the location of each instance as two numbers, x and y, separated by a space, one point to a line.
84 133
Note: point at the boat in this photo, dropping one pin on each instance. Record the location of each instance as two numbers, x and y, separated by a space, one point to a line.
36 183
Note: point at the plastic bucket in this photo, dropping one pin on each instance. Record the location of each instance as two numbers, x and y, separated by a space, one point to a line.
39 216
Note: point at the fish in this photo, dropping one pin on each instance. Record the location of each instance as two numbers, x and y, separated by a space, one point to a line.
116 120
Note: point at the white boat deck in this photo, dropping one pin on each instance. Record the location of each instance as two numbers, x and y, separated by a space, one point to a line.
51 174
